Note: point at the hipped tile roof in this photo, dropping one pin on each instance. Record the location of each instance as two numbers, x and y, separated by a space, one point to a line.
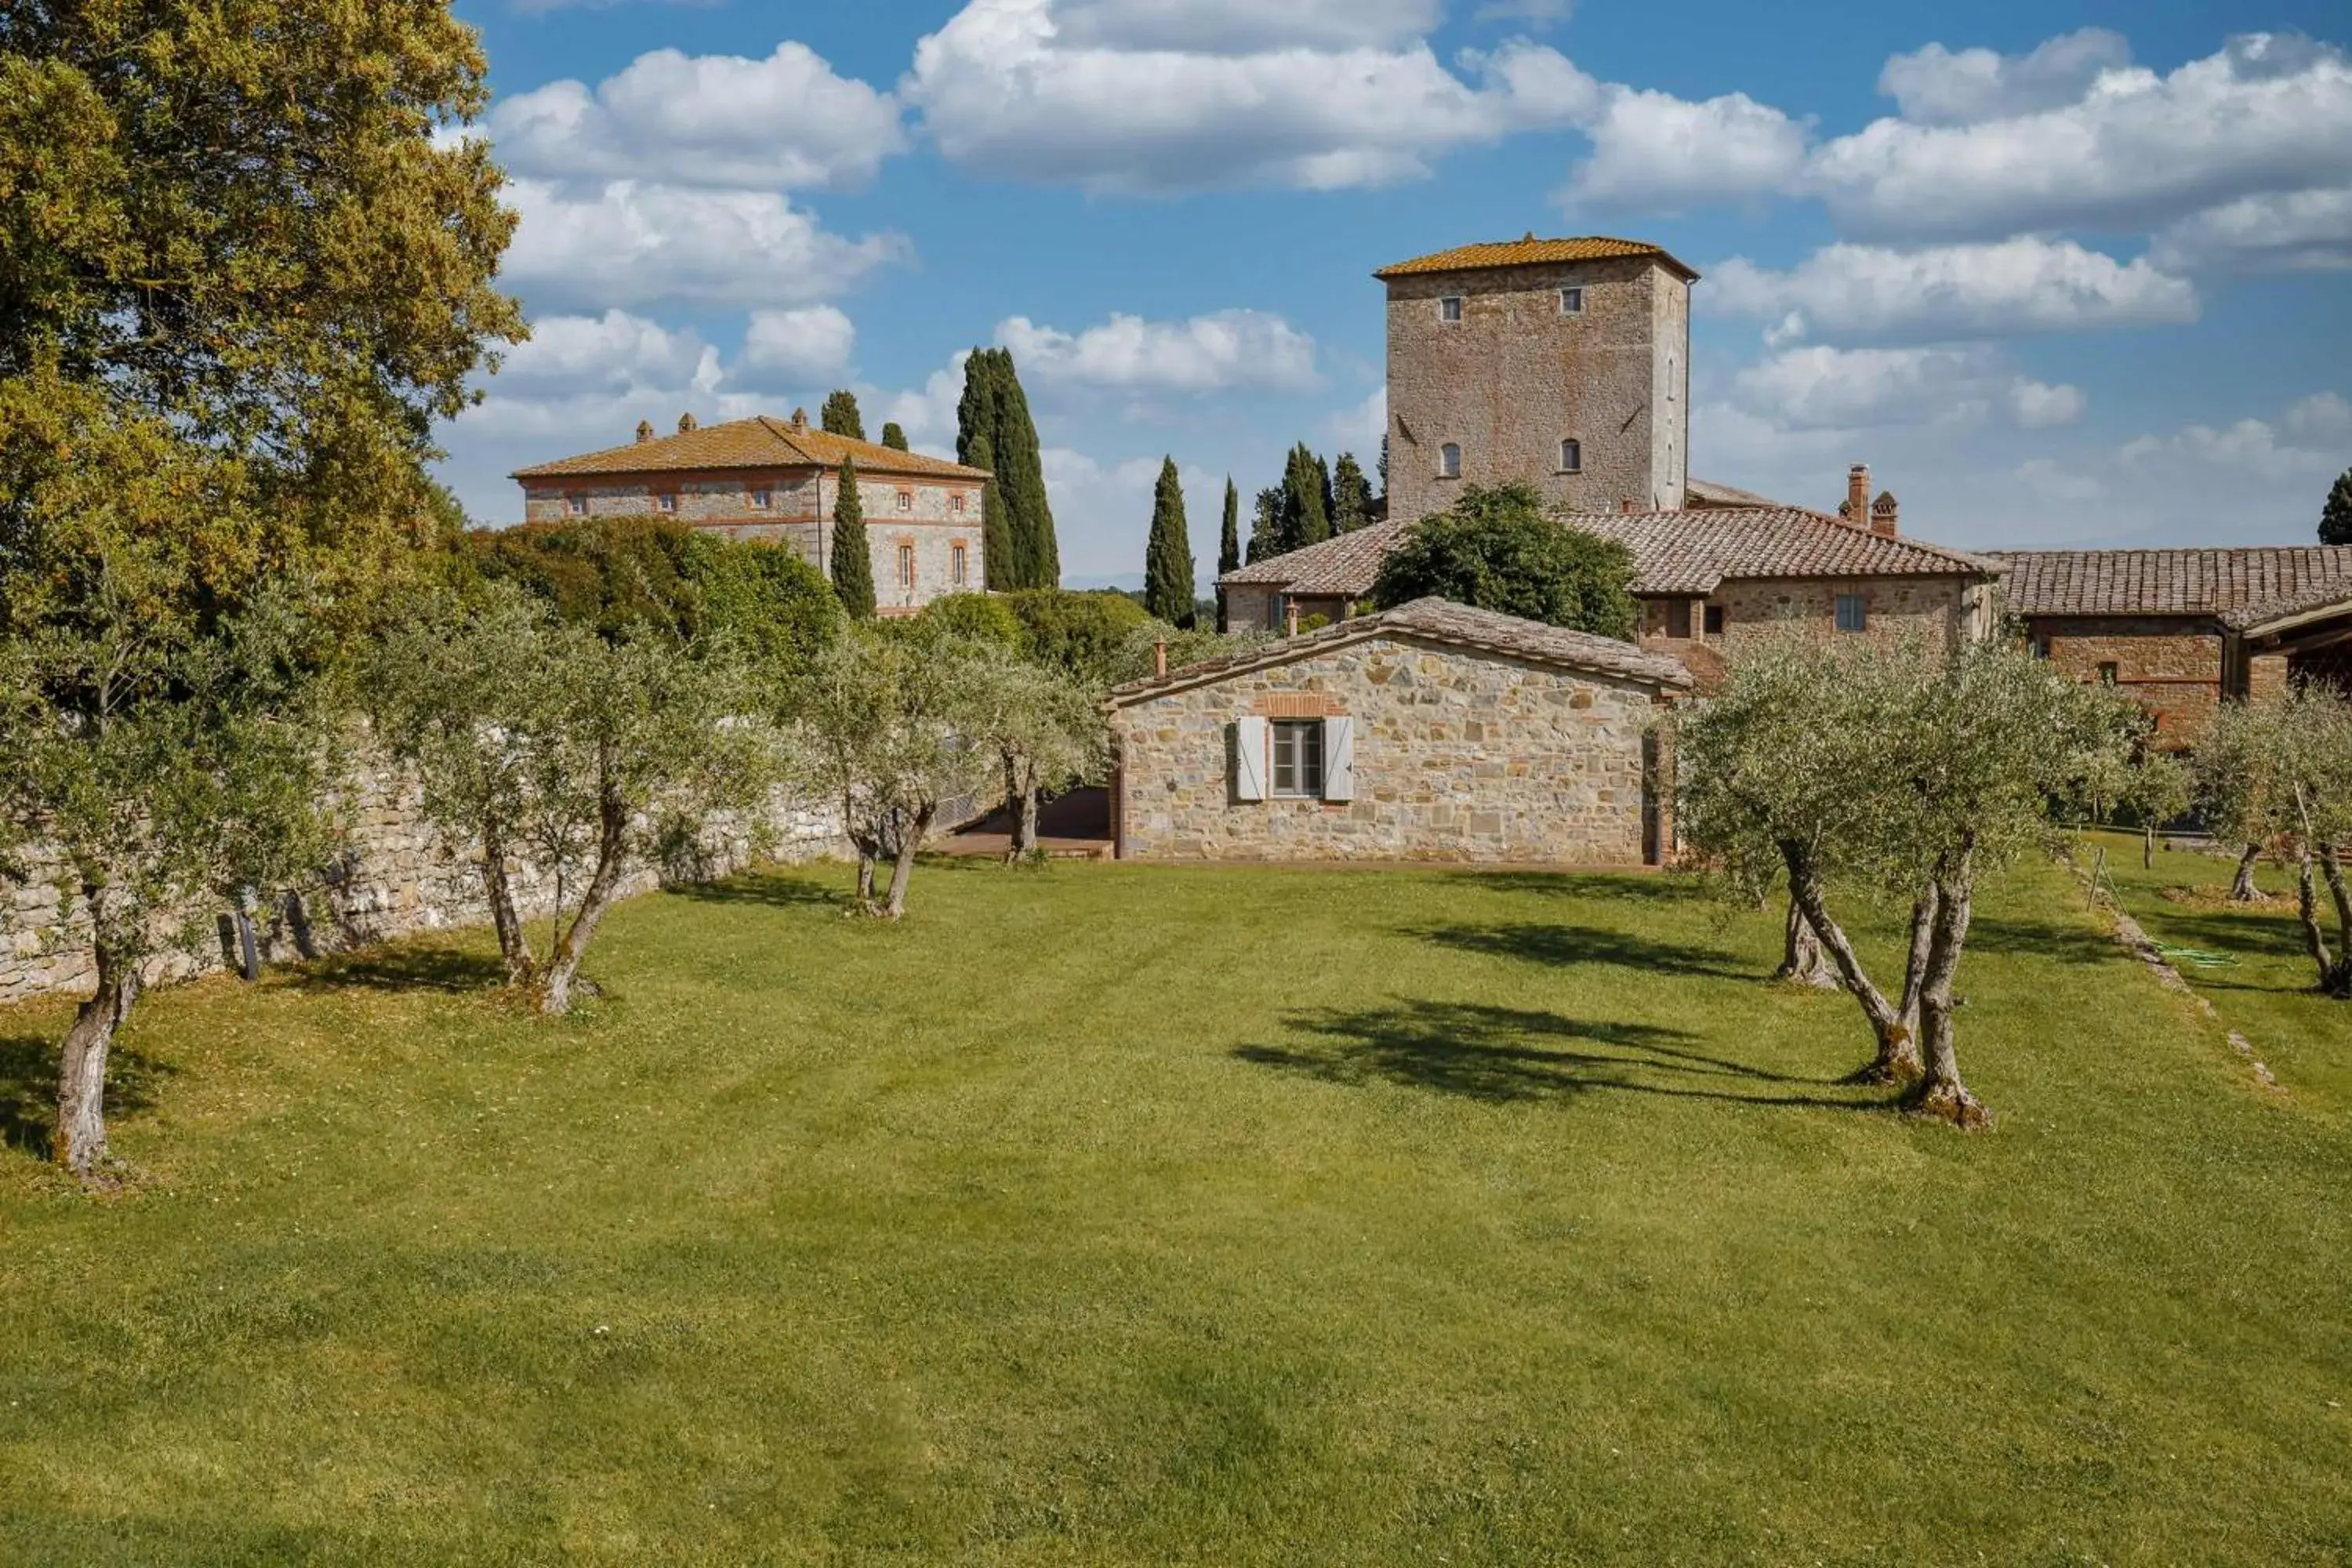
759 442
1438 621
1531 252
1674 552
2243 588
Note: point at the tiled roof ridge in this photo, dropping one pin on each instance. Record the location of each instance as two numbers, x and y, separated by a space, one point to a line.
663 453
1531 251
1431 619
1987 563
2242 585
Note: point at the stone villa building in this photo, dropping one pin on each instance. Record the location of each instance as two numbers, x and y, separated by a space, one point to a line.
1565 363
766 479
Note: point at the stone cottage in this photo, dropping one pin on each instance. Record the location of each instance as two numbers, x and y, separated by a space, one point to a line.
1428 733
774 480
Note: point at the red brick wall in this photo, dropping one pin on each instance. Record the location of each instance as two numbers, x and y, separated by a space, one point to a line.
2170 665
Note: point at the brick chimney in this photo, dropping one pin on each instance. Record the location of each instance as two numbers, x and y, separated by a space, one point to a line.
645 431
1289 618
1857 510
1884 514
1159 656
687 423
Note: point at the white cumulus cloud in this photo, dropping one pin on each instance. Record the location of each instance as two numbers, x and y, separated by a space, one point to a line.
1855 292
814 341
1654 153
1937 85
611 353
2299 231
785 122
629 243
1129 97
1823 388
2267 113
1222 352
1243 26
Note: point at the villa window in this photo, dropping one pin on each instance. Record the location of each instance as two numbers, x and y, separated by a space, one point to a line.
1714 622
1571 457
1298 757
957 565
1571 302
905 500
667 500
906 565
955 503
763 500
2111 675
576 505
1449 461
1853 614
1449 309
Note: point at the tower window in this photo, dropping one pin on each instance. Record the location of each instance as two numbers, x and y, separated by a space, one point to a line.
906 565
1571 302
959 560
1571 457
1449 309
1449 461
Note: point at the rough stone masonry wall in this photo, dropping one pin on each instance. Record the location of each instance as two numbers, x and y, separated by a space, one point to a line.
1459 757
398 876
1515 376
2172 667
1935 609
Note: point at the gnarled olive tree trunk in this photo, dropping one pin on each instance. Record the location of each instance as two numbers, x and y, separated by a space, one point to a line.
2334 966
1898 1050
2241 887
1924 910
604 883
1939 1095
78 1141
910 840
1803 962
1021 799
514 943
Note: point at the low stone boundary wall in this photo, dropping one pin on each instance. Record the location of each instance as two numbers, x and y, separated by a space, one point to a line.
397 876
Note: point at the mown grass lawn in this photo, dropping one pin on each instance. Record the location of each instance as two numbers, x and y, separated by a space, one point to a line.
1111 1216
2265 990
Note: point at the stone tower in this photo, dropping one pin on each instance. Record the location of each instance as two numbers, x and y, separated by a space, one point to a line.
1564 362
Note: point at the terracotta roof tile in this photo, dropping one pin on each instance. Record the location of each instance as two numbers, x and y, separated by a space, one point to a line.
759 442
1439 621
1686 552
1531 252
2244 587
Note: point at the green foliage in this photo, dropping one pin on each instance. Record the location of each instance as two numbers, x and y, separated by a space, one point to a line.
894 437
2278 772
1306 500
1266 539
1080 633
1168 554
2336 514
853 556
1351 496
840 415
610 573
1497 550
980 617
999 568
1137 654
994 410
764 599
1229 538
231 310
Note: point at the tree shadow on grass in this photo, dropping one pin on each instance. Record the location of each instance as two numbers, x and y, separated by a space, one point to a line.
2270 934
775 889
1627 887
448 970
2040 939
29 1087
1565 944
1508 1054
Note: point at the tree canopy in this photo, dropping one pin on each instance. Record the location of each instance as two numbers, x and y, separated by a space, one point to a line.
894 437
230 314
840 416
995 410
1497 550
852 556
1168 553
2336 513
1229 536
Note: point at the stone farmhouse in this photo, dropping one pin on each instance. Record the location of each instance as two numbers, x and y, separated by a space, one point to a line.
767 478
1432 731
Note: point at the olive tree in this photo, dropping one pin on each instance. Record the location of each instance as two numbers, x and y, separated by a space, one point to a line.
2278 772
455 689
892 725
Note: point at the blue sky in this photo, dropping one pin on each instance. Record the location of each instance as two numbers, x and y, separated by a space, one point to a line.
2062 275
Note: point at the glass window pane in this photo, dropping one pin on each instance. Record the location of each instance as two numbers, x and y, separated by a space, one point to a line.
1310 755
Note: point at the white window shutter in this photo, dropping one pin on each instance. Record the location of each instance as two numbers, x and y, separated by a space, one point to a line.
1253 739
1339 759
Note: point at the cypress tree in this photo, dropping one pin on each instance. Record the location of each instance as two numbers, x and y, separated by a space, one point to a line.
2336 517
1229 542
976 410
1168 558
1351 496
894 437
996 562
1323 487
1265 527
993 405
853 563
1304 519
841 417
